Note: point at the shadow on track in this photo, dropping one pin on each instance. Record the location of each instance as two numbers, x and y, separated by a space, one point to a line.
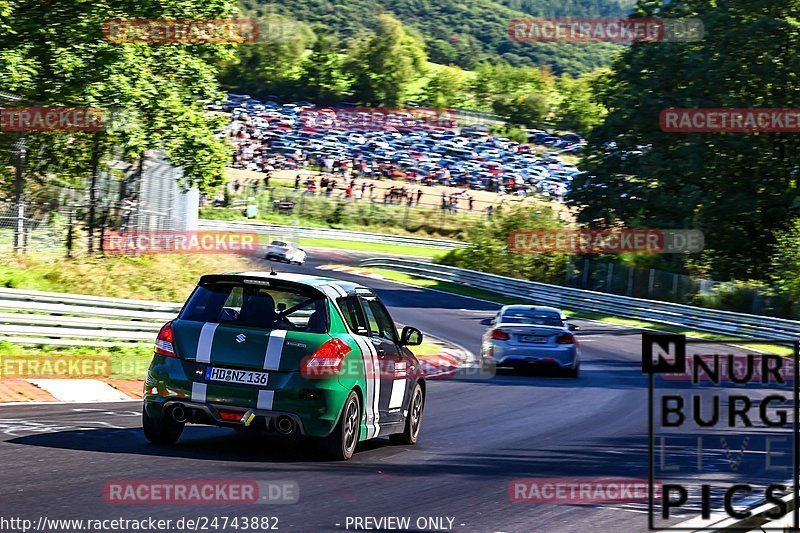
606 374
197 442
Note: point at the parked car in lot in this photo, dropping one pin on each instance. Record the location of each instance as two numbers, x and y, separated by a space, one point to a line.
524 336
285 251
286 354
313 133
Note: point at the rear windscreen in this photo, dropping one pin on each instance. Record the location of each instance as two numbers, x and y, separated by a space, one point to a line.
538 319
293 308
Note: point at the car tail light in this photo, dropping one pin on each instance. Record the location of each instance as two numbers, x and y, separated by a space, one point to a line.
566 338
326 361
164 341
500 335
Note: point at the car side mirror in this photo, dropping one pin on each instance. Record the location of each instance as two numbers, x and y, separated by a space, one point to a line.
487 322
410 337
573 327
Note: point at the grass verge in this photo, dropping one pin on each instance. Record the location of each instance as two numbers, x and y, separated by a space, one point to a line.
163 277
416 251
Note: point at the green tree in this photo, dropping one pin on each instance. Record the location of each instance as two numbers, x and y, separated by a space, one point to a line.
273 64
736 187
578 110
385 66
785 262
322 74
68 62
488 246
445 88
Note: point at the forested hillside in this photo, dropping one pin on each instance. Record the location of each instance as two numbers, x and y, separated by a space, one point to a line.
463 32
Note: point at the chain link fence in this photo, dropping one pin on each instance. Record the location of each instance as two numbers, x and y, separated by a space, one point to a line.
650 283
128 198
33 227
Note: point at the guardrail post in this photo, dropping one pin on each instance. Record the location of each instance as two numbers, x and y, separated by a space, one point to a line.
70 236
651 283
630 280
19 230
610 277
26 233
586 265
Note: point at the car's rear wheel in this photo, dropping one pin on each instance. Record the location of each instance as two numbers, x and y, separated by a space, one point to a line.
161 430
573 372
413 420
341 443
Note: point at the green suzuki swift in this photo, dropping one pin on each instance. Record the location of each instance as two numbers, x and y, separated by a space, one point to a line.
287 354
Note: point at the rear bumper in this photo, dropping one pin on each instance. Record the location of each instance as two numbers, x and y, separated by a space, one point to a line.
210 414
313 404
565 356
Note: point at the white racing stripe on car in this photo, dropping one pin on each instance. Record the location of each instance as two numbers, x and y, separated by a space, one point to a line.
272 359
265 398
398 394
369 383
204 343
199 392
337 291
375 372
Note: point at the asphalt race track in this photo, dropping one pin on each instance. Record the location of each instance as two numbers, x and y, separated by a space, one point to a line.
477 436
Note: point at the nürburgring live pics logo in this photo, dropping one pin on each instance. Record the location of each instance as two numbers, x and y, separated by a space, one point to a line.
723 431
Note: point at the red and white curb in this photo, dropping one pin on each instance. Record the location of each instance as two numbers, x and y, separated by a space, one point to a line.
444 364
351 270
80 390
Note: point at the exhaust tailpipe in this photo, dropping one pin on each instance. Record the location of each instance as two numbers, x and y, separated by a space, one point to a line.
284 424
178 414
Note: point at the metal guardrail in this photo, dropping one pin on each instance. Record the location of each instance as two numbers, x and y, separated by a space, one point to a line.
36 317
687 316
326 233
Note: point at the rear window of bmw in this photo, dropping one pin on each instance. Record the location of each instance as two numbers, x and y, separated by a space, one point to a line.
289 307
541 318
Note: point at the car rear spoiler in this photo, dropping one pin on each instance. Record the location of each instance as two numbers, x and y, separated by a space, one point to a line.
264 281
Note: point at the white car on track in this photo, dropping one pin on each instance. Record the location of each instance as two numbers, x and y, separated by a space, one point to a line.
285 251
